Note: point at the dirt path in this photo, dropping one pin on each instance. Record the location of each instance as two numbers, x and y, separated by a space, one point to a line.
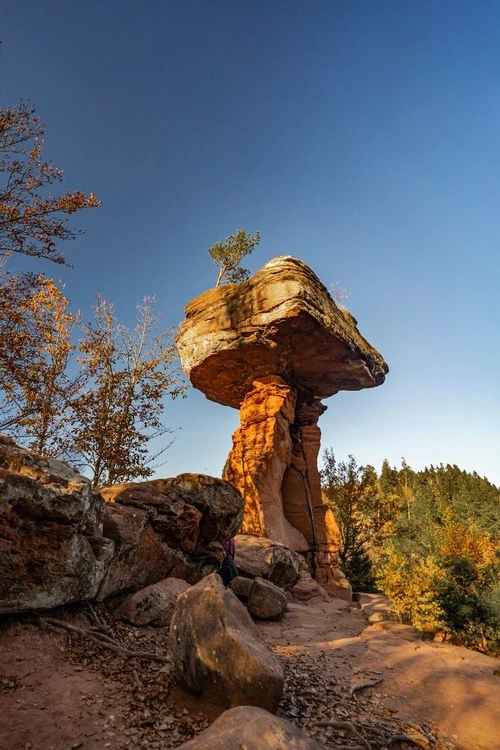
441 695
59 693
451 687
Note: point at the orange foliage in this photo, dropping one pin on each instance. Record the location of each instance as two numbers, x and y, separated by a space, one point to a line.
30 221
35 350
128 374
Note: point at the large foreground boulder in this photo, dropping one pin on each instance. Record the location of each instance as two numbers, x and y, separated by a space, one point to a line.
253 729
216 651
52 550
168 528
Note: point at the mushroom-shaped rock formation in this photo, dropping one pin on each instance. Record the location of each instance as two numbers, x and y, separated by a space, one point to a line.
282 321
273 347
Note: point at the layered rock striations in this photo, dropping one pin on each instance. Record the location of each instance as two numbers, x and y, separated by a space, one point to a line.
275 346
52 550
261 453
282 321
62 542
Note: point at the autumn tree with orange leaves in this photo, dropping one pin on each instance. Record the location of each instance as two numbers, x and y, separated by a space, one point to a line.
35 365
33 312
128 375
98 402
32 221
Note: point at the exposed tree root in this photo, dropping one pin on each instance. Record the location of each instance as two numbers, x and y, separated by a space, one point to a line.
344 725
101 638
364 686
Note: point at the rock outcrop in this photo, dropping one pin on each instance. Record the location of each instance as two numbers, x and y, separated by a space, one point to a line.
253 729
216 651
282 321
168 528
62 542
275 346
259 558
261 453
52 550
263 599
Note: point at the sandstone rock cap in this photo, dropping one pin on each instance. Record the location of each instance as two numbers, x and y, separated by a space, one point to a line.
282 321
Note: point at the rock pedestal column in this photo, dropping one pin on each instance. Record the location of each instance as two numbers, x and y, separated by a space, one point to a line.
261 453
302 501
274 465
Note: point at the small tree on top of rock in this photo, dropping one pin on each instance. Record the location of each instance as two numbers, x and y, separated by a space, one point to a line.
228 254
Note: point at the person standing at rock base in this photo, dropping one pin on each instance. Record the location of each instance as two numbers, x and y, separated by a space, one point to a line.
228 569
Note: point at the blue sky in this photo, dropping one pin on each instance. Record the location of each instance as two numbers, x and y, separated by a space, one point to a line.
361 136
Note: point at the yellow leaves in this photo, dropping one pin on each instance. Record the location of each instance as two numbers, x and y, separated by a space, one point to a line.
35 350
130 372
462 541
411 584
93 202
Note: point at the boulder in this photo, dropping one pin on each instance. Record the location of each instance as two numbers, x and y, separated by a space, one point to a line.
253 729
216 651
282 321
167 528
260 557
153 605
266 601
241 587
52 550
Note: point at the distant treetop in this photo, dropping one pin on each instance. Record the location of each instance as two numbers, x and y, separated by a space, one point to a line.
228 254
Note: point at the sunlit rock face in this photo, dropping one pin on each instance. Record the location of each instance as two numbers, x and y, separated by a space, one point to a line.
261 453
52 549
282 321
275 346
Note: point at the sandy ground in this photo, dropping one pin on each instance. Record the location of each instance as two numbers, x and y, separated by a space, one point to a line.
64 692
451 689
